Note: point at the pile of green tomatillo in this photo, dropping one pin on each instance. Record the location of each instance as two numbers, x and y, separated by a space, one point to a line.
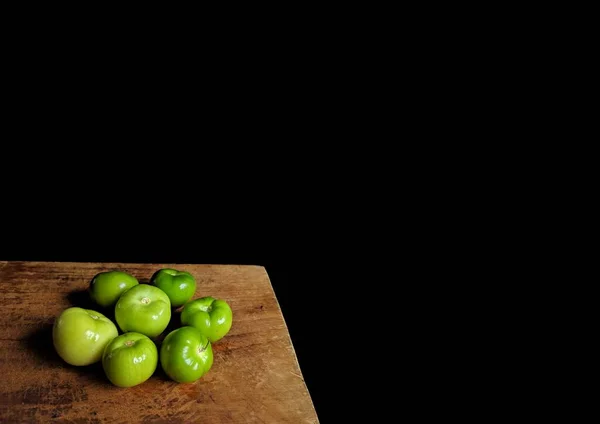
143 312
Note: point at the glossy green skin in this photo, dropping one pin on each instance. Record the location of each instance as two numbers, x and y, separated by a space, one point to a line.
107 287
144 309
130 359
186 355
80 335
211 316
180 286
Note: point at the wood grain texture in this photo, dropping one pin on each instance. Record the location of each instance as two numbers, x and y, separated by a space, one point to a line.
255 377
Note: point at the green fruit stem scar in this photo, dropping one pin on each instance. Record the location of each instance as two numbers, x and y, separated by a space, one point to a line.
202 348
129 343
145 300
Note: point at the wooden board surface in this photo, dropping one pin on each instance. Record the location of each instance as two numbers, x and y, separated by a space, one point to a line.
255 376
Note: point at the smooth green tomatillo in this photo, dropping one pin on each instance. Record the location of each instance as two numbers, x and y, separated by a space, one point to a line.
130 359
211 316
106 287
144 309
186 355
180 286
80 335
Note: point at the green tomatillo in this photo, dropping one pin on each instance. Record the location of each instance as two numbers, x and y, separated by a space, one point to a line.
186 355
180 286
144 309
213 317
80 335
130 359
106 287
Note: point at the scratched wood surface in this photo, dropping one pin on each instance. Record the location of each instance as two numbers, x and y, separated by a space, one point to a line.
255 376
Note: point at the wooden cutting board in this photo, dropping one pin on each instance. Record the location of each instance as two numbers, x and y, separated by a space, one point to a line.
255 376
